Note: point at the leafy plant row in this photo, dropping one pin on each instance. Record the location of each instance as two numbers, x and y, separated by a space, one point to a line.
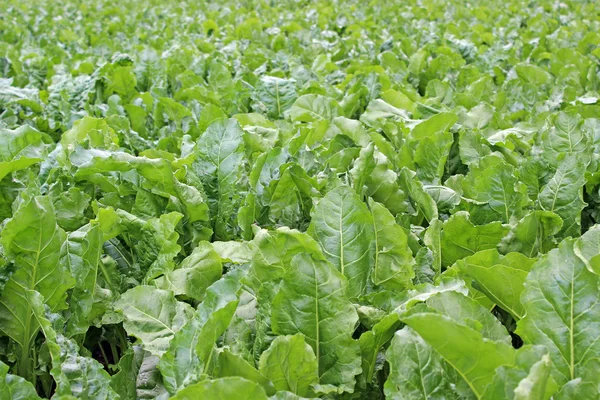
287 200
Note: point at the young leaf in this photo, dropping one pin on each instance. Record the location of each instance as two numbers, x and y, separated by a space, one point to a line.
416 370
460 238
290 364
500 277
393 259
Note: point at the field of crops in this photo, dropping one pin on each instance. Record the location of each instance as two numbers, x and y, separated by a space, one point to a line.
334 199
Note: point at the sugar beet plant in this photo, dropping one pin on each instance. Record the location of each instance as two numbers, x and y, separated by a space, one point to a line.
255 199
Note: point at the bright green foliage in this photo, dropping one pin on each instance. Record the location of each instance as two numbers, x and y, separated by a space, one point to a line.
294 200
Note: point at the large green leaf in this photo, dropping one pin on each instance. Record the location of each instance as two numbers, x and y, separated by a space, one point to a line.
562 311
313 301
153 316
473 356
343 226
219 164
33 241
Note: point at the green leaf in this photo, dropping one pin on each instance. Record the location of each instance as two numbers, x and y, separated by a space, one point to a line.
194 274
534 386
474 357
460 238
313 301
314 108
188 353
563 195
421 201
433 126
219 164
373 176
430 157
587 249
343 226
20 149
290 364
272 252
501 278
469 312
562 311
564 136
378 111
291 200
96 130
230 364
492 181
124 381
528 379
33 241
371 343
15 387
75 375
533 234
276 95
394 263
153 316
416 370
82 251
223 389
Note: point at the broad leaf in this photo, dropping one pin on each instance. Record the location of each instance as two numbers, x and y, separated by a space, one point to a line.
343 226
33 241
153 316
562 311
313 301
219 164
